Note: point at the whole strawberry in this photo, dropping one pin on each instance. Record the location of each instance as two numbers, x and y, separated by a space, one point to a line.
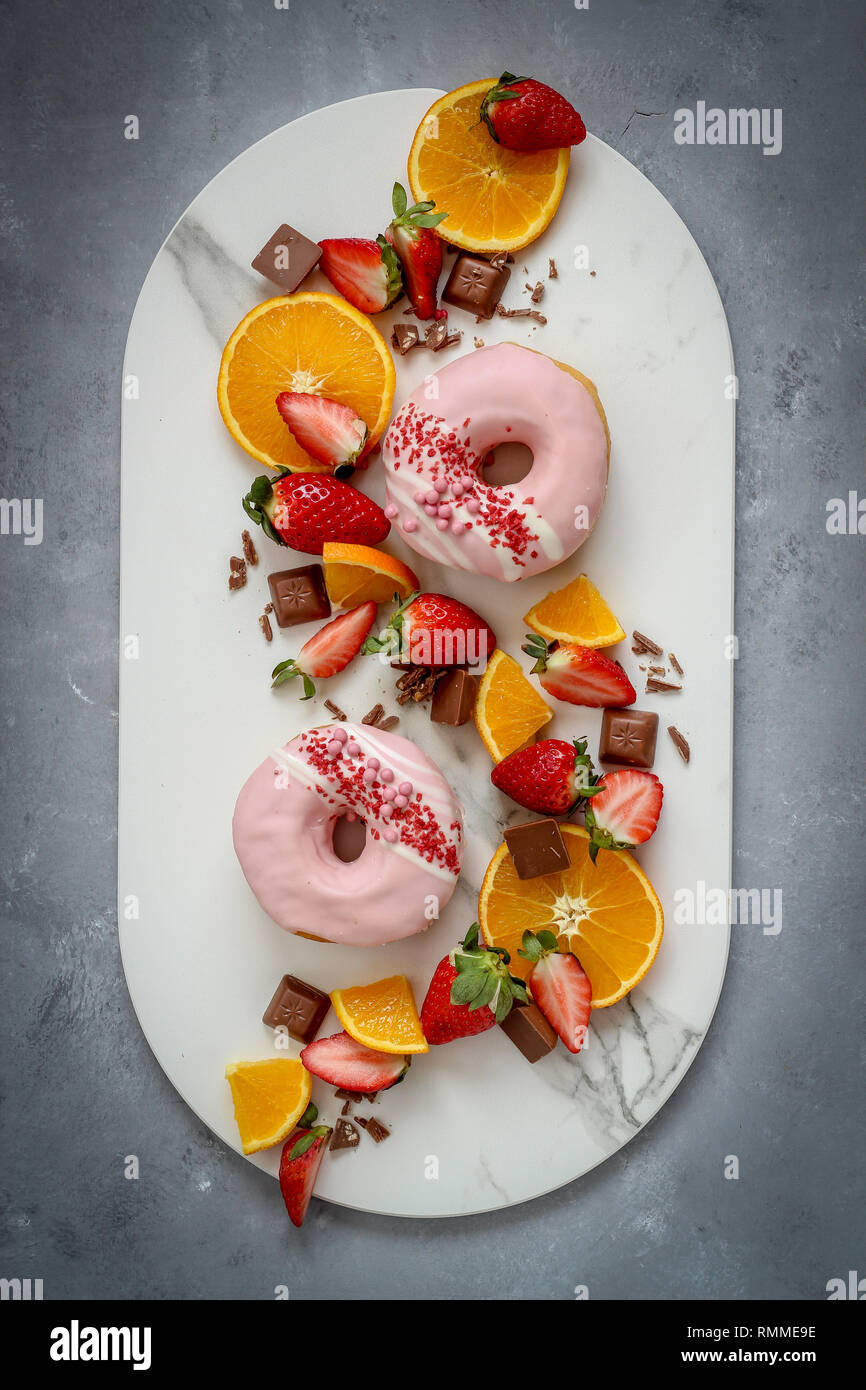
303 510
419 248
560 987
471 991
626 810
579 675
523 114
549 777
434 630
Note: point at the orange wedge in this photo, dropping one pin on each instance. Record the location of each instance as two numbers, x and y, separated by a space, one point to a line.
508 709
356 573
303 342
270 1097
382 1015
607 914
577 613
496 199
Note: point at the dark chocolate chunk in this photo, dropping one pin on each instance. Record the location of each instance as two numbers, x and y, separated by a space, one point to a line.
299 596
345 1136
628 737
288 258
298 1007
537 848
405 337
476 285
530 1031
454 698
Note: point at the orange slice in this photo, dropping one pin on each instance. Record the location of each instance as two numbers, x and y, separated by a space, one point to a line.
508 709
356 573
382 1015
577 613
496 199
607 914
270 1097
303 342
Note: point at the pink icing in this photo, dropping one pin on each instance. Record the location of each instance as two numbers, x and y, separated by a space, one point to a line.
523 528
283 835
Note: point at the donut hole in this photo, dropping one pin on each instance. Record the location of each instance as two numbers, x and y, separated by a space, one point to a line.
349 839
505 464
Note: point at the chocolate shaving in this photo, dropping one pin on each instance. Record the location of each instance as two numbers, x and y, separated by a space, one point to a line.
657 670
386 725
520 314
374 715
434 337
680 743
417 683
359 1120
250 552
479 342
676 665
334 709
646 644
405 337
238 574
409 310
269 608
347 1105
376 1129
236 564
552 272
356 1096
657 687
265 625
501 260
452 339
537 292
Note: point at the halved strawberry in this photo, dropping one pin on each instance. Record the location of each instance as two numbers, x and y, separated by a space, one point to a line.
303 510
626 810
330 432
434 630
367 273
419 248
523 114
329 651
471 991
344 1062
559 986
300 1162
549 777
579 675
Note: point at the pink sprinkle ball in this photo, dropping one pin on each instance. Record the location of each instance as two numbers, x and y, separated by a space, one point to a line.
340 735
400 802
430 508
391 835
468 482
389 793
410 524
335 748
391 510
441 486
405 789
386 812
420 496
431 498
353 749
369 777
442 524
374 764
458 527
445 509
458 489
473 505
386 775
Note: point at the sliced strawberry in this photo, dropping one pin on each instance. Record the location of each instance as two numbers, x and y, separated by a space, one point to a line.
367 273
523 114
303 510
471 991
549 777
626 810
300 1162
579 675
419 248
330 432
434 630
330 650
342 1061
559 986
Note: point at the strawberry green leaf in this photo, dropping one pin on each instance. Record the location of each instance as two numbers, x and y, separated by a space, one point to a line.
309 1117
398 199
308 1140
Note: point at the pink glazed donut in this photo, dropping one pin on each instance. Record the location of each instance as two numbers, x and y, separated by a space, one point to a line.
435 448
283 833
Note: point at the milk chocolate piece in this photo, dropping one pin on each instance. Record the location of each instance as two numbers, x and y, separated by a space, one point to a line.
454 698
628 737
298 1007
476 285
530 1031
345 1136
405 337
680 743
299 595
537 848
374 1128
288 258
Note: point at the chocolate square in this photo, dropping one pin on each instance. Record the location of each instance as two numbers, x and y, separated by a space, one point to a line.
288 258
476 285
530 1031
298 1007
299 596
453 698
628 737
537 848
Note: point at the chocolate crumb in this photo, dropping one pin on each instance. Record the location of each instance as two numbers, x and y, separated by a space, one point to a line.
375 1128
657 687
334 709
373 715
250 552
345 1136
501 260
592 273
434 337
646 644
552 272
347 1105
417 683
479 342
537 293
520 314
386 725
676 665
680 743
409 310
269 608
360 1120
405 337
452 339
357 1096
657 670
265 625
238 577
236 564
641 666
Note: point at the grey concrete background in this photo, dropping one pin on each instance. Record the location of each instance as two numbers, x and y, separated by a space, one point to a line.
83 212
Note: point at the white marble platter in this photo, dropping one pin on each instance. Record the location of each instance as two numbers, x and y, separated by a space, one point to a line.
197 714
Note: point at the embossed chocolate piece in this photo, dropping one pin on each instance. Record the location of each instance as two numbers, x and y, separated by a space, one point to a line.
628 737
298 1007
299 595
476 285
